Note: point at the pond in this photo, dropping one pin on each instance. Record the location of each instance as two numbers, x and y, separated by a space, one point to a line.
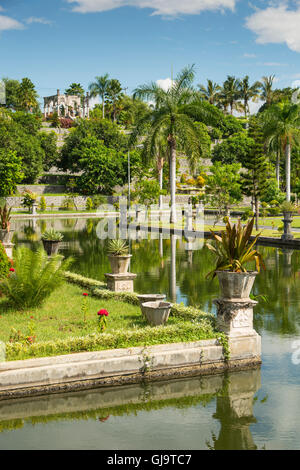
242 410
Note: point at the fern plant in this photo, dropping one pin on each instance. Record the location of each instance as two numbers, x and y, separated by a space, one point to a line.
35 277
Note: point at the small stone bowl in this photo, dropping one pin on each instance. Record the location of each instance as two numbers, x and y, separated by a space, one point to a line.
150 298
157 313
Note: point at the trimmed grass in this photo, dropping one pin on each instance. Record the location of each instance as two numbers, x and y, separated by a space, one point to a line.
59 327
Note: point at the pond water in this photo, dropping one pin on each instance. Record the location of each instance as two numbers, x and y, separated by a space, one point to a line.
242 410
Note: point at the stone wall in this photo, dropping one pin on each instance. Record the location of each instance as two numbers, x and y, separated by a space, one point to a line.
41 189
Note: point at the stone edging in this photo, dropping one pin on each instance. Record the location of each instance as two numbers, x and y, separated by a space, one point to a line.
115 367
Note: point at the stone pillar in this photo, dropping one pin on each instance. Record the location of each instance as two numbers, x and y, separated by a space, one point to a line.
288 219
34 208
8 246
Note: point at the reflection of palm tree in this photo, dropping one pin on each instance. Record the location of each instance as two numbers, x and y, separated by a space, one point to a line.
173 269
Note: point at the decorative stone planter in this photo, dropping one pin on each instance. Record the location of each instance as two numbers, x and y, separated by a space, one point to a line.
51 247
6 235
150 298
236 285
119 264
287 220
157 313
34 208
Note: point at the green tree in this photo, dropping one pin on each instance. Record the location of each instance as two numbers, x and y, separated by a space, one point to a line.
223 187
99 88
147 192
27 95
248 92
12 93
174 118
102 129
48 143
113 97
255 179
235 149
11 173
210 92
267 89
31 123
75 89
230 94
281 123
102 167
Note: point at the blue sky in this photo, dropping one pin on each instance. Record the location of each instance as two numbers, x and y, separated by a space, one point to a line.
56 42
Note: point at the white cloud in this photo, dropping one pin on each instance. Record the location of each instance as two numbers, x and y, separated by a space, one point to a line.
296 84
249 56
7 23
33 19
276 24
164 83
165 8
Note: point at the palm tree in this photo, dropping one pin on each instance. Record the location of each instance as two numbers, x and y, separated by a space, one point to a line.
282 121
210 92
99 88
231 93
266 89
113 97
248 93
27 95
173 118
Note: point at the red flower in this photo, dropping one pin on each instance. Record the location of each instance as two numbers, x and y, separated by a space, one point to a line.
103 312
85 294
12 270
31 318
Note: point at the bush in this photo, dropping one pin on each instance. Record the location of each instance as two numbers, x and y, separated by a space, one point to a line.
43 205
67 204
66 123
35 277
89 204
29 199
5 263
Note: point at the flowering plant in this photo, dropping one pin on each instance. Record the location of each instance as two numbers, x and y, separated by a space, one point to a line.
102 319
84 306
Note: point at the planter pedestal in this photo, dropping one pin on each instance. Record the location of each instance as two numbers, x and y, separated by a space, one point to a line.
120 282
287 220
235 316
9 249
235 319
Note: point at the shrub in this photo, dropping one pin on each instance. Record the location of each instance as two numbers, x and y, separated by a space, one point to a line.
42 205
66 123
29 199
67 204
5 263
35 277
89 204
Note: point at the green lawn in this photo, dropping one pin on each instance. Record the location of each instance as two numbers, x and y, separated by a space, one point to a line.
59 327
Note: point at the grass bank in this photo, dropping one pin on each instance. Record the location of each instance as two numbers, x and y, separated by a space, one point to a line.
59 327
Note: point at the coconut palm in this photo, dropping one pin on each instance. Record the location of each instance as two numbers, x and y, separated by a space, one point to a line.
27 95
282 122
210 92
248 92
266 89
173 117
230 93
99 88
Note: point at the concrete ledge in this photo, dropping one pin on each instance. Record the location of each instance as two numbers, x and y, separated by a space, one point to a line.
87 370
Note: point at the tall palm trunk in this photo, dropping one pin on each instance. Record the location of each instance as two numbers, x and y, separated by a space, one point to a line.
278 168
172 144
288 170
103 107
160 165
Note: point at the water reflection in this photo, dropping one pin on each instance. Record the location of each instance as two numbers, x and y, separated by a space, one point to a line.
231 396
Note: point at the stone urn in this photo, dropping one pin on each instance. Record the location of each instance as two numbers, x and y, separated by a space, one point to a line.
119 263
236 285
6 235
157 313
51 247
150 298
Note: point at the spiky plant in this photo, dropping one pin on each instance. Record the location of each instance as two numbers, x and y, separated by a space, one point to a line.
234 250
117 247
35 277
52 235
